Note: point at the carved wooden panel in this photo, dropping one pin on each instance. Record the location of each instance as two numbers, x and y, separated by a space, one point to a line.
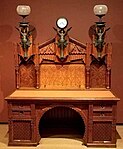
62 76
97 75
27 75
102 131
76 52
22 130
47 52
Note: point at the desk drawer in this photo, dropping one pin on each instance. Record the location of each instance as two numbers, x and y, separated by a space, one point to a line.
21 113
102 113
102 108
21 106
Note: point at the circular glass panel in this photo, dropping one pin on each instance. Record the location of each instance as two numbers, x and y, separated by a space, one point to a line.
62 22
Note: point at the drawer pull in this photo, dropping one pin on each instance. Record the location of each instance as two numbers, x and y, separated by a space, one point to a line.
102 114
20 106
21 112
102 107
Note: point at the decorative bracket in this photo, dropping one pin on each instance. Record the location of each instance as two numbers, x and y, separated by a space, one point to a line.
25 37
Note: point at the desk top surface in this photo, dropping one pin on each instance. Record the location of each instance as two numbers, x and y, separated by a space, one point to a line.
58 94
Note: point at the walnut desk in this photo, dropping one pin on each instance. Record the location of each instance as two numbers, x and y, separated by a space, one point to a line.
97 109
69 89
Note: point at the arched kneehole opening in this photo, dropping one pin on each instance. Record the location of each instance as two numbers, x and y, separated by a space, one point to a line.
61 121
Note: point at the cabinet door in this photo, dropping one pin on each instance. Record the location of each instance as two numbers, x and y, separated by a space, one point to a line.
102 131
22 130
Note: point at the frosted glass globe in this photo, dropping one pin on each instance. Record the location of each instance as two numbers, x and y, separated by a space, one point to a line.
23 10
100 9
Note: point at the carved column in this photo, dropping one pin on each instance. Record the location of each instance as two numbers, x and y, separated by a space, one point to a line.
16 56
108 72
88 52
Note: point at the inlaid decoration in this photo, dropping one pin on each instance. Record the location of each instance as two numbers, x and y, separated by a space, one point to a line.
62 76
97 76
27 75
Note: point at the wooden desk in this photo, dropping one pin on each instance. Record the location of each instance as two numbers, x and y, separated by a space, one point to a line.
96 108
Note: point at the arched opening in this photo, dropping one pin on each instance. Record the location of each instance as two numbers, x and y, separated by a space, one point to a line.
61 121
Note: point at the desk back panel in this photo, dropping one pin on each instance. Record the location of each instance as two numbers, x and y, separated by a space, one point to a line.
80 68
62 76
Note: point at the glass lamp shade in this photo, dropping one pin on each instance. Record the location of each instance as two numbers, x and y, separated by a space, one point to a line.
100 10
23 10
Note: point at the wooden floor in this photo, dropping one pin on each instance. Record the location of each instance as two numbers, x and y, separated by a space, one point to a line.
56 141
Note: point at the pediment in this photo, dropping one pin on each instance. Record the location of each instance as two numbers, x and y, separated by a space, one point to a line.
47 48
76 47
73 52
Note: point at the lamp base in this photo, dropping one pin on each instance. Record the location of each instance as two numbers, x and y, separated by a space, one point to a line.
100 24
23 24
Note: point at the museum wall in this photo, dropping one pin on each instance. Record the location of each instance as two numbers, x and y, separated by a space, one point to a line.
43 16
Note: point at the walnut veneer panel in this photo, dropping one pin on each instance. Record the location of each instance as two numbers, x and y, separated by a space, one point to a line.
97 76
62 76
27 75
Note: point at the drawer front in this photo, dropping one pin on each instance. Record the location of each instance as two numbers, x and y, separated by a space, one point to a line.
20 110
21 106
102 113
20 113
102 107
